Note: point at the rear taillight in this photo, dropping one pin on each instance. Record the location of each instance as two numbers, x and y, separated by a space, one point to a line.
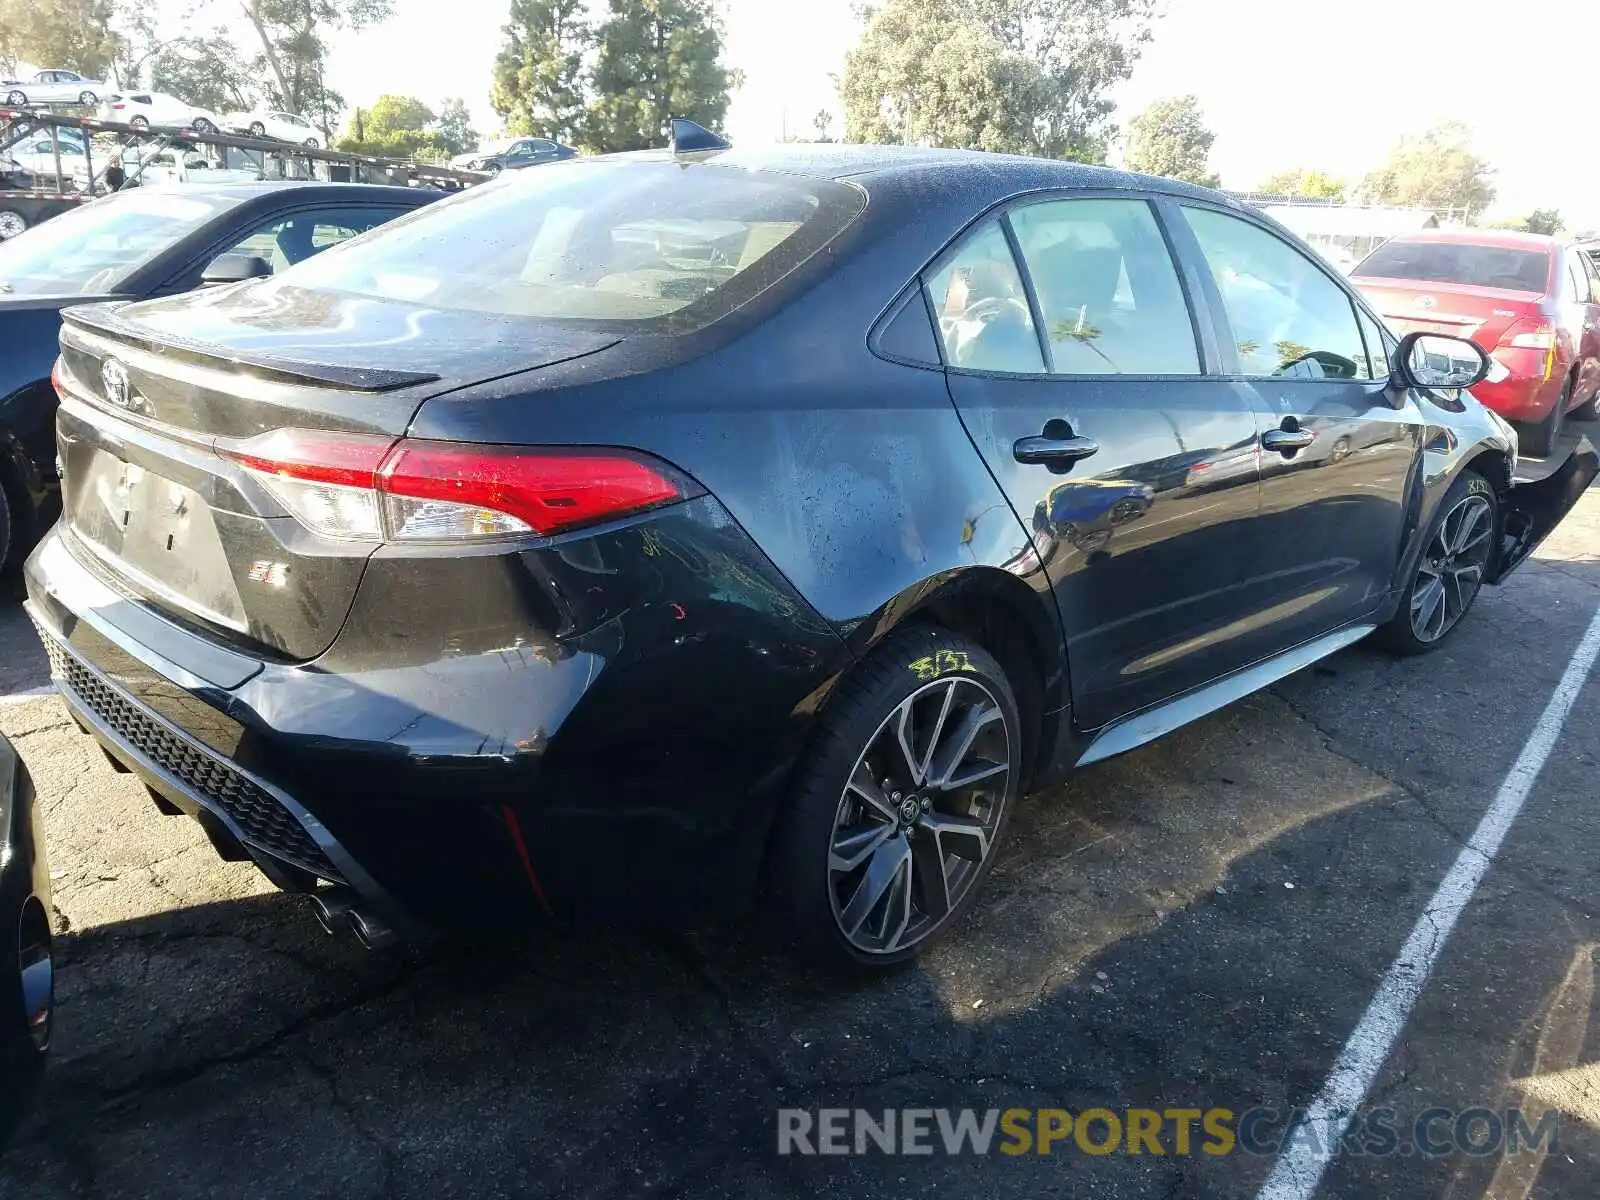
355 486
55 380
1531 333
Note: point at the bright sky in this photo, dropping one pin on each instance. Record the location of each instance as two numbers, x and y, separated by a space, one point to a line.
1317 83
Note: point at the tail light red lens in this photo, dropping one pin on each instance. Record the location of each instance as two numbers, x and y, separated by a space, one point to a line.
375 488
1531 333
55 380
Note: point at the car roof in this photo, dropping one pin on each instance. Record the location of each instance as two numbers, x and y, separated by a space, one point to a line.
1500 239
1012 172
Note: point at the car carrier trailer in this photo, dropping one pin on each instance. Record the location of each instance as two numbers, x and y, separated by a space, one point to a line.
28 197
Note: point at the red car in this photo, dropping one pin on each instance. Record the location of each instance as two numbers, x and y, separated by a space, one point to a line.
1532 303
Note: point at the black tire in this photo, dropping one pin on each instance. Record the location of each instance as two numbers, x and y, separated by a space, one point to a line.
201 125
313 143
140 122
88 99
1543 438
12 223
257 129
1589 410
927 672
16 98
1412 628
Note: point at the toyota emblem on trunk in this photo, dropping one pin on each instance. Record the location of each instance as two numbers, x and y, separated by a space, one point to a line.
118 388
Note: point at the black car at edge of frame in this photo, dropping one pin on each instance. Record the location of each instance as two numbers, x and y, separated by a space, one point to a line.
27 976
644 538
144 242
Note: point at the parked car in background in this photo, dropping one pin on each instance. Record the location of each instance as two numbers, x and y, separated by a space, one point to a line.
157 110
37 156
644 535
270 123
147 241
1531 302
175 165
54 86
511 154
27 971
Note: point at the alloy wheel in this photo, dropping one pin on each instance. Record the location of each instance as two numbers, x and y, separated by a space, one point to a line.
918 817
17 99
1452 570
11 224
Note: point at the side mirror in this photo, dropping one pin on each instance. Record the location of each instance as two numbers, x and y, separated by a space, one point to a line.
235 268
1439 363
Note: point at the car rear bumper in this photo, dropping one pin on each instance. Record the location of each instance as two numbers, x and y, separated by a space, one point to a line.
1525 394
446 762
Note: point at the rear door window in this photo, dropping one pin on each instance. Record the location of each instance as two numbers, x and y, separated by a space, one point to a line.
1107 289
285 241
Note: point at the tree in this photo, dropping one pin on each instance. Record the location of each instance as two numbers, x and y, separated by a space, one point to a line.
75 34
1544 220
539 83
1437 170
290 53
1318 185
207 71
1169 138
395 127
454 127
1025 76
656 59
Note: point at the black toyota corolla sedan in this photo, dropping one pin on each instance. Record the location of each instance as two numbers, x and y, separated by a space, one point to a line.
636 539
150 241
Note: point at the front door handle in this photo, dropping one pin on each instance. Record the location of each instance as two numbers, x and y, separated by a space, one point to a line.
1287 440
1054 451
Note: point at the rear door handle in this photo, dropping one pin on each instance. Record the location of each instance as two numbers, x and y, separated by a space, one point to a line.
1287 439
1053 451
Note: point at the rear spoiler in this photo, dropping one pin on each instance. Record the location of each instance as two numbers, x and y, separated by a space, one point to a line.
1531 510
106 320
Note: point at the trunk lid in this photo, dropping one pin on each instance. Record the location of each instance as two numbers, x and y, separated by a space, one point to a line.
155 394
1478 314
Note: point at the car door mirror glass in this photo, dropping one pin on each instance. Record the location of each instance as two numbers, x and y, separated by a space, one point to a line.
235 268
1433 361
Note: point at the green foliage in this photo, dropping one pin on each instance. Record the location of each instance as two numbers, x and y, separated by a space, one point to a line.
454 127
395 127
655 59
289 53
539 84
1023 76
1169 138
207 71
74 34
1437 170
1545 220
1303 182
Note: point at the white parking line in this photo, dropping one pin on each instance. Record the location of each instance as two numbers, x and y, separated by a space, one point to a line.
1300 1168
24 697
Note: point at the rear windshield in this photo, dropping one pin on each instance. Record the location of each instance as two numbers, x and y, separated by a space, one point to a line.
1459 262
92 250
674 244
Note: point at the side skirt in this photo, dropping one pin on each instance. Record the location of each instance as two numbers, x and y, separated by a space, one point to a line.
1146 726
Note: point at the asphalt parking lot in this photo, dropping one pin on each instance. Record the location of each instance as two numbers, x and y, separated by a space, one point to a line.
1198 924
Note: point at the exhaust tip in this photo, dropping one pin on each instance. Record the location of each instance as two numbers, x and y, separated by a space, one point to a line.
331 907
370 931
